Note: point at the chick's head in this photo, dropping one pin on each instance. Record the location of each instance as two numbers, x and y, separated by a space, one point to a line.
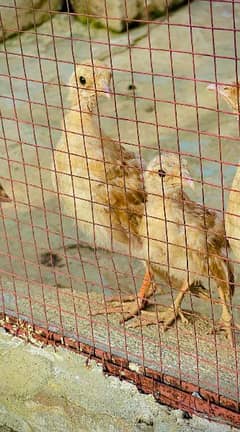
88 81
167 172
229 92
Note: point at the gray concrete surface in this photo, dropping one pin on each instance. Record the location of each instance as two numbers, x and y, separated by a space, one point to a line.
120 13
32 225
44 390
18 15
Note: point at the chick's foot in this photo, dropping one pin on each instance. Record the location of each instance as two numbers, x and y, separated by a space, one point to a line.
167 318
128 306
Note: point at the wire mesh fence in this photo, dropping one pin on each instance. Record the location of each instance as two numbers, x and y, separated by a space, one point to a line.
131 197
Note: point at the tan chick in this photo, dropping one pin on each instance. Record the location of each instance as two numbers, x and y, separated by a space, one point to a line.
181 240
98 180
3 195
230 93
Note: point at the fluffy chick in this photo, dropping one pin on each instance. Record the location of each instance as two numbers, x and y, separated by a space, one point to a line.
230 93
182 242
3 195
98 180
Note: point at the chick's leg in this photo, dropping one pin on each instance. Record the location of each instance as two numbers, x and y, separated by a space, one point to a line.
167 317
225 324
129 305
146 291
171 314
225 283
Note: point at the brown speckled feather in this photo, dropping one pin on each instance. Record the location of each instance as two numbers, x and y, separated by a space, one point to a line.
183 241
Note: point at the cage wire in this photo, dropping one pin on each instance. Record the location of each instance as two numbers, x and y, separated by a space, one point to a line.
91 216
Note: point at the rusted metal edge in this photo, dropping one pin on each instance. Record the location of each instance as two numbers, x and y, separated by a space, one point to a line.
166 389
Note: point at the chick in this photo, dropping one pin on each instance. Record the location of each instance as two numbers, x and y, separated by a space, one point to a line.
98 180
230 93
182 243
3 195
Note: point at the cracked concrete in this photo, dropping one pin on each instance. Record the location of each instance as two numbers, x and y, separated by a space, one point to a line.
54 391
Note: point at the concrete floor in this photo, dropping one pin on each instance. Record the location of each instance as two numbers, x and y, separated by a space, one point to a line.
53 391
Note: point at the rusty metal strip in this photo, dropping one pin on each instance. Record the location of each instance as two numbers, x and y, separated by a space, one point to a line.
165 388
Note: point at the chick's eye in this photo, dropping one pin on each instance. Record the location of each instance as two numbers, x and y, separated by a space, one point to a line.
82 80
161 173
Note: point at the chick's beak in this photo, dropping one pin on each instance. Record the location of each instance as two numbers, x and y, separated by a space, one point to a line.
212 87
190 183
107 91
217 88
188 179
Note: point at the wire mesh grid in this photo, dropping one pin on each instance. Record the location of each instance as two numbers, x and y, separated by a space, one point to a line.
91 213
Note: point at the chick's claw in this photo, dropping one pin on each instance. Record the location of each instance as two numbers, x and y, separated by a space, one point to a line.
170 316
118 299
228 328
